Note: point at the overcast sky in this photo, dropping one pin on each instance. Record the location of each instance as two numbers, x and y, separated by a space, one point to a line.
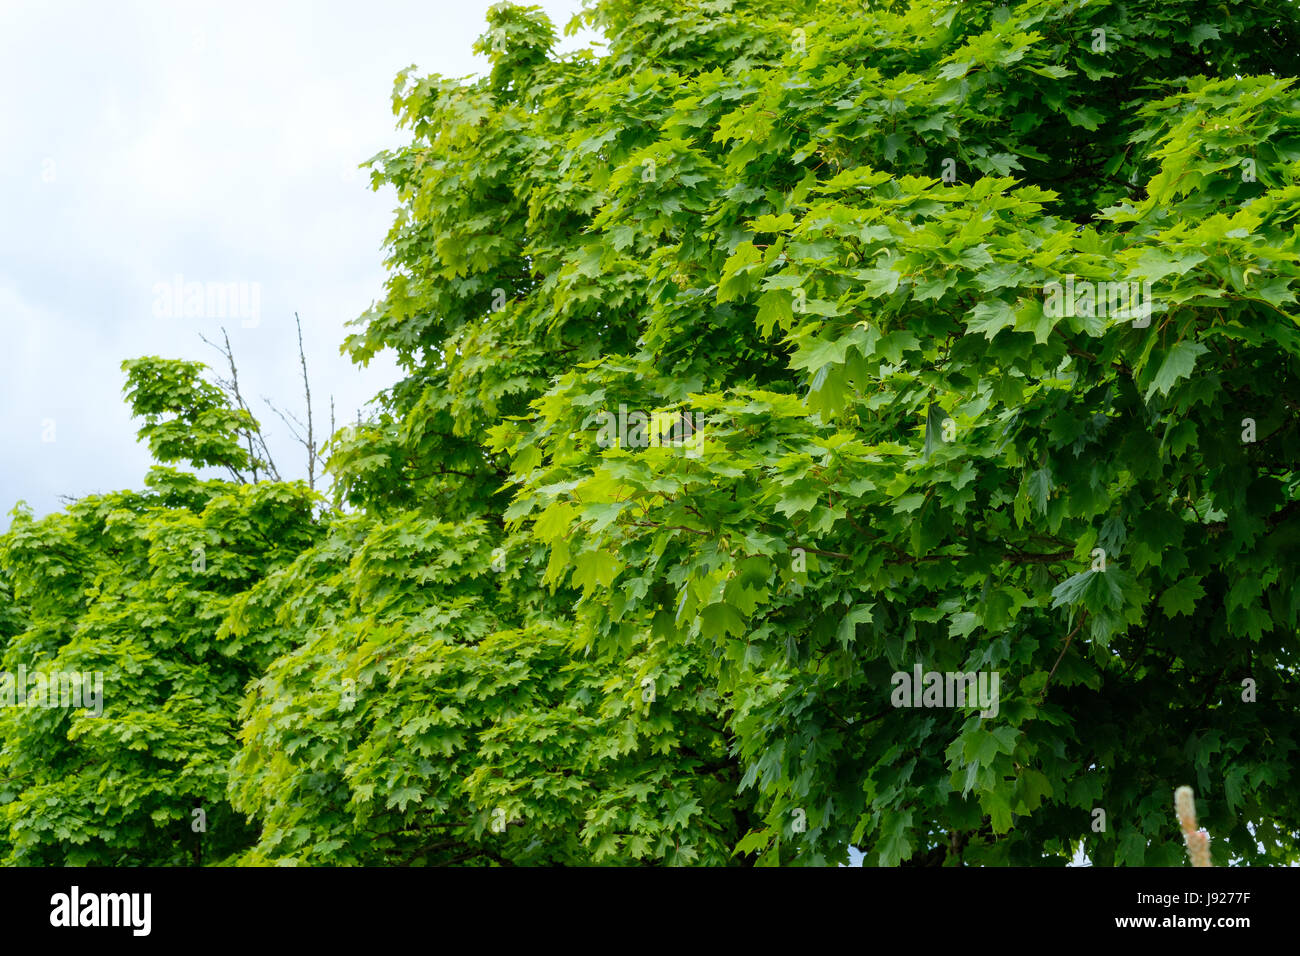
215 142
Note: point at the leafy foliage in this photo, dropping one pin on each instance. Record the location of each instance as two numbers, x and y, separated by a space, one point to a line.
131 587
814 246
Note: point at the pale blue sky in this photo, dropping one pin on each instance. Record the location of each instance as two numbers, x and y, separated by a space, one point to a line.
218 141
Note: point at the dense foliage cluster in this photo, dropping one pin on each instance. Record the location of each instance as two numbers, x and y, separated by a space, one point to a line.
767 354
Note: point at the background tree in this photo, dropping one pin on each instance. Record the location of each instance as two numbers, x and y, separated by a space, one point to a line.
830 231
132 586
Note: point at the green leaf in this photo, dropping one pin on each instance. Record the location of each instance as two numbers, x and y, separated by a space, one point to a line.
998 807
879 282
721 620
1182 597
934 419
1178 363
774 311
990 318
846 634
1039 487
895 843
1098 591
595 569
1031 318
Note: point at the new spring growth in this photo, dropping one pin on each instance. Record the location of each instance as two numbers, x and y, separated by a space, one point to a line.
1198 841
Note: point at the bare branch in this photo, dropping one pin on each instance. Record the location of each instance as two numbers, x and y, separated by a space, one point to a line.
306 385
252 434
288 424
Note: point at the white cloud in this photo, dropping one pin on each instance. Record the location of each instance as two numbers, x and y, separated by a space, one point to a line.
217 140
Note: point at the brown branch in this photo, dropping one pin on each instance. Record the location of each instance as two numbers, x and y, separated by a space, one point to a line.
1276 518
252 433
669 527
1060 657
1030 557
306 384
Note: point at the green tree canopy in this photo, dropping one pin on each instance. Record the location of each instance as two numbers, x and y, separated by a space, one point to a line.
127 591
773 352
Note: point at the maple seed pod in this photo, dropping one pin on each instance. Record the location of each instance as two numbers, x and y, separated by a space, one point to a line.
1198 840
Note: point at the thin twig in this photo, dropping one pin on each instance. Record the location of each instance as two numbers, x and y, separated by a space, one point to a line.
252 433
311 439
1061 656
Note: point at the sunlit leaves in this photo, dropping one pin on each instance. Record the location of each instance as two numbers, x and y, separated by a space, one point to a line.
878 283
